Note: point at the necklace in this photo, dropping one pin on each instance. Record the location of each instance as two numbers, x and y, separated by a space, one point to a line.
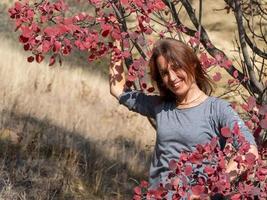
190 101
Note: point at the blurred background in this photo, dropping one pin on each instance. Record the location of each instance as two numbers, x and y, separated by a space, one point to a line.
62 135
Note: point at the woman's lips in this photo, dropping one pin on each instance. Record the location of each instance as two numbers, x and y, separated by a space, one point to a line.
177 84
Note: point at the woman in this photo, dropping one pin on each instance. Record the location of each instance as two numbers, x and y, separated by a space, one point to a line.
185 114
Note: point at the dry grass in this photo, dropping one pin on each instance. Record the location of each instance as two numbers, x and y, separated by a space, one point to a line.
70 135
62 134
74 137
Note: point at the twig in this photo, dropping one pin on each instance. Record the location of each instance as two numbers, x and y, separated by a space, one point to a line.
257 86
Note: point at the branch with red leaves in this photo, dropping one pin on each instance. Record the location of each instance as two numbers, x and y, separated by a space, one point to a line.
204 172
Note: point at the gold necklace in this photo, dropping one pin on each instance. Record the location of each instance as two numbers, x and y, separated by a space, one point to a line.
190 101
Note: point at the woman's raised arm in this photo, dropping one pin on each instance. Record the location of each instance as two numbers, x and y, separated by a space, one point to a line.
116 77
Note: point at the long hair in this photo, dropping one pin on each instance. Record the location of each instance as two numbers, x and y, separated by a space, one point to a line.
181 56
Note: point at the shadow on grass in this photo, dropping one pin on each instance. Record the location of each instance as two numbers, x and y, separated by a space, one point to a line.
49 162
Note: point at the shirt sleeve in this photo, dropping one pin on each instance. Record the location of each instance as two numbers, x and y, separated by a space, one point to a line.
227 117
140 102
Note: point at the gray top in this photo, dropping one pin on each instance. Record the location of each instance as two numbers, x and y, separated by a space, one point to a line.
181 130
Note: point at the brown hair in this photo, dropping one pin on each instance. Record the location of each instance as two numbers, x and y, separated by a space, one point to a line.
181 56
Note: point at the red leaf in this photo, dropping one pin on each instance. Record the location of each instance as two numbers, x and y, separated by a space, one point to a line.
196 158
263 171
255 118
126 54
144 184
188 170
263 123
137 197
26 47
44 18
30 59
137 190
148 30
236 197
198 189
46 46
105 33
91 57
263 110
159 5
131 77
209 170
236 129
125 2
57 46
151 89
227 64
249 124
144 85
39 58
175 183
172 165
217 76
226 132
235 74
18 6
251 102
23 39
250 158
183 157
222 163
52 60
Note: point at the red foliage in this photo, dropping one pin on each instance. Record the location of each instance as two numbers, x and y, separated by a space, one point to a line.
185 176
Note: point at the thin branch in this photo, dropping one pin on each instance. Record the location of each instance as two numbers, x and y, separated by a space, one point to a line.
263 35
261 72
174 13
251 29
261 9
212 50
254 48
241 32
245 70
229 91
199 19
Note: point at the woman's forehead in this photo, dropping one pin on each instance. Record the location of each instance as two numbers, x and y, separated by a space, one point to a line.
161 61
163 64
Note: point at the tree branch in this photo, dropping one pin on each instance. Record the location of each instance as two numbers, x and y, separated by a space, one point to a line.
174 13
254 48
241 31
212 50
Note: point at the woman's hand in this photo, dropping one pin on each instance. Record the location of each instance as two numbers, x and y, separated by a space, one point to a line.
232 168
116 74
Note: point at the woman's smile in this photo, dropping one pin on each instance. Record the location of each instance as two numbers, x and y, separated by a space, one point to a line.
177 84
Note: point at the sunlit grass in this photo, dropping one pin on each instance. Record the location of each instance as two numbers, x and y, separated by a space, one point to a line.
65 121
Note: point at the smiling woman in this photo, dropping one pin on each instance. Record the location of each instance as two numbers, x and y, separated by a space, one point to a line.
171 62
179 83
185 114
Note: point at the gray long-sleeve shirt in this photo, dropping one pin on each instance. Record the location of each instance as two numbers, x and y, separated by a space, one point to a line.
181 130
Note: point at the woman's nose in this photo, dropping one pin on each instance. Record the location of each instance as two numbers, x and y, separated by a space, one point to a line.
172 75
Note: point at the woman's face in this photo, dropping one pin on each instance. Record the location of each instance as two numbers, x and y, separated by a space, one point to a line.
176 80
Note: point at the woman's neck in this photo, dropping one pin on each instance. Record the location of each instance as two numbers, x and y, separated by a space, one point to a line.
193 95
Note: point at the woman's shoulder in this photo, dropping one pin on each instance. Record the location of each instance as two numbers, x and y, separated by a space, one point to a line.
218 106
218 102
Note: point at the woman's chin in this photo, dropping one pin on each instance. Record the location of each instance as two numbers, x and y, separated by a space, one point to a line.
179 91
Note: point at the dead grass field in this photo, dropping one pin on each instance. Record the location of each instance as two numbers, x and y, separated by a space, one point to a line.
62 135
